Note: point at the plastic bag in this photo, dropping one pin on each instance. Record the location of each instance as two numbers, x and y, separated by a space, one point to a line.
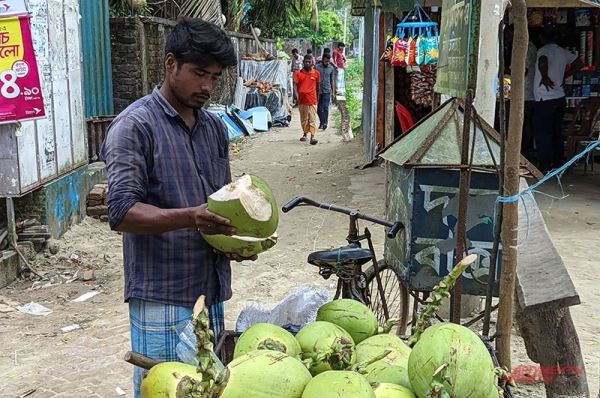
293 312
186 348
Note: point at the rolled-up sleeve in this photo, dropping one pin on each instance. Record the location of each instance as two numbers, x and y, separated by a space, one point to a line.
125 152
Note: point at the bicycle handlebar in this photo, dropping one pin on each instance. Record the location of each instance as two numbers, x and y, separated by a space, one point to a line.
393 228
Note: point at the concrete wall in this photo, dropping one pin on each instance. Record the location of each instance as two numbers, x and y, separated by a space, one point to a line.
137 45
301 44
60 203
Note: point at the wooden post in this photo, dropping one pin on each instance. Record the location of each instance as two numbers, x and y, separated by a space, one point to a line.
510 222
551 340
389 116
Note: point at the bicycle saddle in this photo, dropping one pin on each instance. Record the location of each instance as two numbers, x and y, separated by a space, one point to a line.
348 255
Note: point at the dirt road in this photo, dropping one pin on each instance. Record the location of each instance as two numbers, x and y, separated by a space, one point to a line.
36 357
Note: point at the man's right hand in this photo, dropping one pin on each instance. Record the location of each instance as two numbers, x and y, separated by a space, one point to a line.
209 223
548 83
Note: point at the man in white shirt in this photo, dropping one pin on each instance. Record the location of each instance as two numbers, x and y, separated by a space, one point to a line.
550 104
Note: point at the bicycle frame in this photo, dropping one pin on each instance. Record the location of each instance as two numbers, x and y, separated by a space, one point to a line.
352 288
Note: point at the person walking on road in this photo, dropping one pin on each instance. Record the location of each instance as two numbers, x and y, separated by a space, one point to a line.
550 102
164 156
296 64
306 91
326 89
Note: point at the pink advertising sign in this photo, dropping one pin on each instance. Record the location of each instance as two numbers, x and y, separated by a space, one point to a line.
20 89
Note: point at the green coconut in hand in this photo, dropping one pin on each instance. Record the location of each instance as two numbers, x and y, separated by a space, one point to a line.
352 316
243 246
265 336
249 204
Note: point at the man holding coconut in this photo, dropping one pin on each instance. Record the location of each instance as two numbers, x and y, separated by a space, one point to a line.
164 156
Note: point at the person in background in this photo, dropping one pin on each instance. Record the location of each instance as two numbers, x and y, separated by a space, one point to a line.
309 52
326 89
296 64
339 62
306 91
550 103
164 156
339 59
325 51
530 62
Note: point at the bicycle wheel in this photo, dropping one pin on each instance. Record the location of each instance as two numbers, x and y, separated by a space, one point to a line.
395 294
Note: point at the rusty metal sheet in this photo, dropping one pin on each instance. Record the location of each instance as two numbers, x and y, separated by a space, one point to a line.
97 129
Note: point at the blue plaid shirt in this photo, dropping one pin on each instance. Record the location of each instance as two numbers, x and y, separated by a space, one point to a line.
152 157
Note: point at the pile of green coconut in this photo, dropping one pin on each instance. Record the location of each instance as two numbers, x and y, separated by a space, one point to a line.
344 353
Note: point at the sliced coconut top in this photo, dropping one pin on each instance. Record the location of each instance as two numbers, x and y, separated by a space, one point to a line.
253 239
254 200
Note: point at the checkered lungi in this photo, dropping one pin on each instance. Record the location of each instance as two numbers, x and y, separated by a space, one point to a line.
154 331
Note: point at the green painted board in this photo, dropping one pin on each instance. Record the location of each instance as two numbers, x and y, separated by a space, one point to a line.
455 47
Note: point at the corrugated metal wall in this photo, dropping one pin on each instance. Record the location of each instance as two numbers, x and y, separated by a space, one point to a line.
97 74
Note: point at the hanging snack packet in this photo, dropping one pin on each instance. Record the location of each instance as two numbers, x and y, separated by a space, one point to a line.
421 50
412 52
431 50
400 56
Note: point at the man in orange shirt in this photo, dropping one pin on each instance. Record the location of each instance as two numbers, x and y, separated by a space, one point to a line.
306 92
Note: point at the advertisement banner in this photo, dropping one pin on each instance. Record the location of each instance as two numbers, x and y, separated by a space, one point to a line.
10 8
20 89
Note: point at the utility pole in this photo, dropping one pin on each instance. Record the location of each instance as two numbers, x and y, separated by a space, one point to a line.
345 27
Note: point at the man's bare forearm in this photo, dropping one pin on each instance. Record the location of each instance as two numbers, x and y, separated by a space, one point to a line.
145 219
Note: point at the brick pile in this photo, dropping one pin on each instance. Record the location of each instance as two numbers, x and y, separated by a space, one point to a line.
96 202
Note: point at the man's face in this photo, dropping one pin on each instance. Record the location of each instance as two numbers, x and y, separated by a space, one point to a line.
295 55
191 84
326 62
307 63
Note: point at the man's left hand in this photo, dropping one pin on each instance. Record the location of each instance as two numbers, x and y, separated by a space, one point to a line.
239 259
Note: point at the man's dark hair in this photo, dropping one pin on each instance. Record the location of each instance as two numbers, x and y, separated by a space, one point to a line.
548 33
326 51
295 51
202 43
309 51
308 57
326 56
341 44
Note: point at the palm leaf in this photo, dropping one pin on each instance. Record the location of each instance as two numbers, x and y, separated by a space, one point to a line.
208 10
